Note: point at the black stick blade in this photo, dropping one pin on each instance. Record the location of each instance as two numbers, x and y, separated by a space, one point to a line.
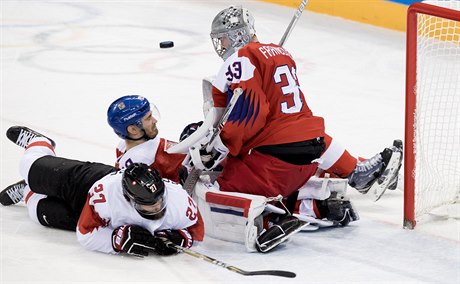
280 273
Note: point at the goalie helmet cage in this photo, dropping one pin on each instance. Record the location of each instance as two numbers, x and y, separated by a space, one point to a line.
432 126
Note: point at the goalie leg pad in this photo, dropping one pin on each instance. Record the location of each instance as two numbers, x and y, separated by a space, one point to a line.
230 216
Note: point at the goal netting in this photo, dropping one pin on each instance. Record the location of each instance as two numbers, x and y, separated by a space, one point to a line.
432 155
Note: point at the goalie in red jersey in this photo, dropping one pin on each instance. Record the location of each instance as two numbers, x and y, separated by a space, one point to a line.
272 141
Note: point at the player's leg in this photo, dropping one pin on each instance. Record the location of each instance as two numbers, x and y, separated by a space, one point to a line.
21 136
50 211
262 174
65 179
362 173
336 159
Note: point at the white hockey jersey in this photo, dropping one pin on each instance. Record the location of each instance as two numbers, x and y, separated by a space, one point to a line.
106 209
153 153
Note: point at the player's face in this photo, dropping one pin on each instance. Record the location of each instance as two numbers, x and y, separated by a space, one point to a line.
151 209
150 125
225 42
154 211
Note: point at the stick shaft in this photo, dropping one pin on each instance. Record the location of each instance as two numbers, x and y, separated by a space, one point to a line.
236 94
280 273
294 20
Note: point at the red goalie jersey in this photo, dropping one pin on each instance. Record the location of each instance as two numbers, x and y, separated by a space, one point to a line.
272 109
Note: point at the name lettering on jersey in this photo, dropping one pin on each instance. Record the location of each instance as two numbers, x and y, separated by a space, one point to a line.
270 51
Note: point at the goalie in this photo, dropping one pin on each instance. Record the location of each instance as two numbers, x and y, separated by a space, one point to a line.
271 143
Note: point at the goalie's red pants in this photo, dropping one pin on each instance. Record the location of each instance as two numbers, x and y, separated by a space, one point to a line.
262 174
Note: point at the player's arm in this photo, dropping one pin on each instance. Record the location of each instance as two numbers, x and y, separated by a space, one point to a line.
250 112
182 213
93 231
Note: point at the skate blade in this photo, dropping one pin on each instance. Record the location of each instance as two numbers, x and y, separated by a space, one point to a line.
392 170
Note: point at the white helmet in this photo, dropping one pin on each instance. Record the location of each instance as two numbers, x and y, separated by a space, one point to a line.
235 24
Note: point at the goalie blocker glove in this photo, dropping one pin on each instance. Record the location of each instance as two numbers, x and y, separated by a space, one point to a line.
137 241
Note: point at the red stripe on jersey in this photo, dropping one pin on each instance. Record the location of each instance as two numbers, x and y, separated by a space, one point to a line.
29 195
41 143
229 200
89 219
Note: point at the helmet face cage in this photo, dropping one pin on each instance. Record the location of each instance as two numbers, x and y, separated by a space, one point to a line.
159 207
236 25
145 189
129 110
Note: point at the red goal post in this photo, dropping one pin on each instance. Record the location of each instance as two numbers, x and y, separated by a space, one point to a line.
442 30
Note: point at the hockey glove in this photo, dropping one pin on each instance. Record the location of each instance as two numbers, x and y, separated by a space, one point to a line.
133 240
189 129
208 160
178 237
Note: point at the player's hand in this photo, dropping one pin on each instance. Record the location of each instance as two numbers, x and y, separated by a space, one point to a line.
133 240
189 130
178 237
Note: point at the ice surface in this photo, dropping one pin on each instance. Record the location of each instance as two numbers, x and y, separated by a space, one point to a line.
62 63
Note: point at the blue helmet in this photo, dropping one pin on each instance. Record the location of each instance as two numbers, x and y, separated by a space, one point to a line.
126 111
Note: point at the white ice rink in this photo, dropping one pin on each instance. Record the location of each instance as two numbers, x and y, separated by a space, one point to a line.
63 63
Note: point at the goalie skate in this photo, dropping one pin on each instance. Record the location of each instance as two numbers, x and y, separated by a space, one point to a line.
389 177
279 233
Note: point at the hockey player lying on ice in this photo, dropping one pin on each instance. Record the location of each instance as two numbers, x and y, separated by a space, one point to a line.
133 210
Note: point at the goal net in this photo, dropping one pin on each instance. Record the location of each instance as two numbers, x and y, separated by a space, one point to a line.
432 154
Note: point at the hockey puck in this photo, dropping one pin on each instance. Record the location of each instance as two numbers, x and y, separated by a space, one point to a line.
166 44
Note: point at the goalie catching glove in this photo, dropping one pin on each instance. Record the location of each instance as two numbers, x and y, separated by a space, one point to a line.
135 240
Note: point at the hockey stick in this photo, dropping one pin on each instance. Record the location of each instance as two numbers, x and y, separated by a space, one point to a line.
194 174
280 273
236 94
293 22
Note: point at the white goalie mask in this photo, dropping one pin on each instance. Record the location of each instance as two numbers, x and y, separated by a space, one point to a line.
232 29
